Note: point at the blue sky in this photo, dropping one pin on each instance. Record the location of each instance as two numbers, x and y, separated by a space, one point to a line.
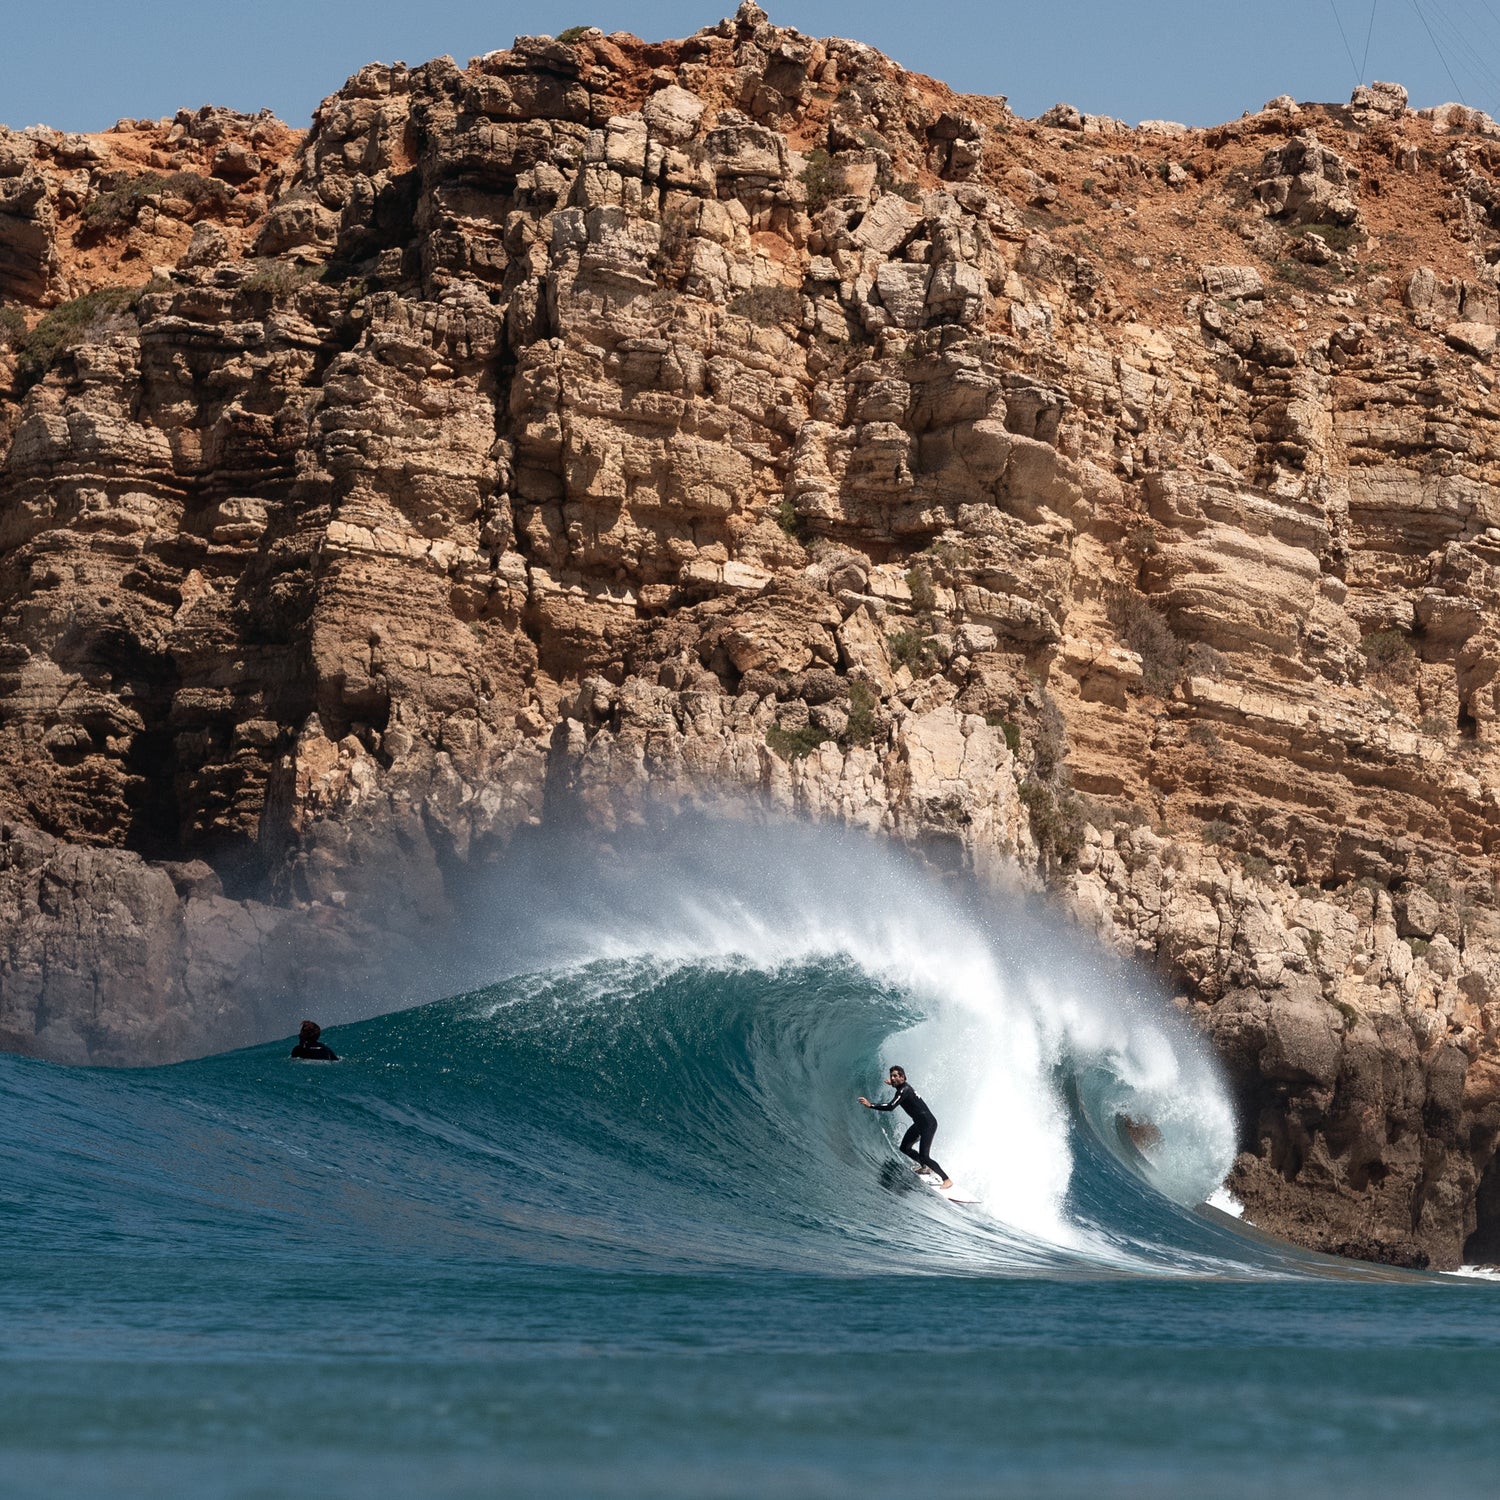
82 64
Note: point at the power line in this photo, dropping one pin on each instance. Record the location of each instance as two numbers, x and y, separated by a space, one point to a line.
1365 63
1441 58
1471 41
1339 23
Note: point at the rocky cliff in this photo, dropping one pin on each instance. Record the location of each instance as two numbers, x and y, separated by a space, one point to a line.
608 422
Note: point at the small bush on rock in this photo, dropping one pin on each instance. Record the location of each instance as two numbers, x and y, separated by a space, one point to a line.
12 327
278 277
923 595
819 178
1203 736
118 208
1335 236
887 182
1201 660
769 306
793 744
909 650
864 708
1056 819
1011 731
1390 655
950 557
70 324
1145 630
571 34
1049 743
1295 273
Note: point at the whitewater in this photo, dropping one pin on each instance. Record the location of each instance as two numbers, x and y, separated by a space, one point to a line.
608 1219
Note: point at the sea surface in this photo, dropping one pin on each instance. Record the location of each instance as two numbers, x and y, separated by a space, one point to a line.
617 1226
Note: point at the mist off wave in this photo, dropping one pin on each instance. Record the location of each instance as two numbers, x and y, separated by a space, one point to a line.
785 968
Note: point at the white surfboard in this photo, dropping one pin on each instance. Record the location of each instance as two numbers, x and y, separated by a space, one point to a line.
954 1194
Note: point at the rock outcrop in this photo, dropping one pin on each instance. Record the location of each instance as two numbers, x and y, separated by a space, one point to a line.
608 422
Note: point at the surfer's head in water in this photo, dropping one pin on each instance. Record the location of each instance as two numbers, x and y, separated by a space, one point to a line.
309 1048
897 1077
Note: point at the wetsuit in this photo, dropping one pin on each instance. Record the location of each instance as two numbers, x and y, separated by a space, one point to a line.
315 1052
923 1127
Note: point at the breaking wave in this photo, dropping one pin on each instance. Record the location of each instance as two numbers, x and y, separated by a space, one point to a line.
674 1088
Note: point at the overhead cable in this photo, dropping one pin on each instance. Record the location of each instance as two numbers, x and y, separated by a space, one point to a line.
1339 23
1469 42
1365 62
1441 56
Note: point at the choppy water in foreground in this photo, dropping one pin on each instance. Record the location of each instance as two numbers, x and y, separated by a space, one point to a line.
619 1229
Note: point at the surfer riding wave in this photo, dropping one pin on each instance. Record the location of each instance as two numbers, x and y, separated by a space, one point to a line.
917 1142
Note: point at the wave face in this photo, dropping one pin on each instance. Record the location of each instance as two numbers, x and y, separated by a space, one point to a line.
675 1089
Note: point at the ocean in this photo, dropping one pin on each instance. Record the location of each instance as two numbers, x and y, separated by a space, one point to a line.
617 1226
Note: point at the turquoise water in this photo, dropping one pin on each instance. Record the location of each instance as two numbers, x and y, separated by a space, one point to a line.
618 1228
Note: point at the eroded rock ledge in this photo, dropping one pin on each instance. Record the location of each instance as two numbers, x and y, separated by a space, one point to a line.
607 419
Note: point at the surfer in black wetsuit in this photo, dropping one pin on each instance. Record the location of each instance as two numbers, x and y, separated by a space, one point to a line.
310 1048
923 1124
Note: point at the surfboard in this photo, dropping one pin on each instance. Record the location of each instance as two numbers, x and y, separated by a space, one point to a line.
954 1194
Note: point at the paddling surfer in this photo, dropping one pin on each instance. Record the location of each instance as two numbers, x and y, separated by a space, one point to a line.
917 1142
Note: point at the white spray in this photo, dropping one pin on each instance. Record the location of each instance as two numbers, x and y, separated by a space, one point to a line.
1008 1000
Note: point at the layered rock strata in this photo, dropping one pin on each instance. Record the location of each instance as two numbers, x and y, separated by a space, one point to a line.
606 423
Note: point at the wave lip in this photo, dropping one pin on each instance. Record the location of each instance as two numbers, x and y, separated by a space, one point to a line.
1006 1022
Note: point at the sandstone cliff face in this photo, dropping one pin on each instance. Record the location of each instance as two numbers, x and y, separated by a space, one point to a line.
608 422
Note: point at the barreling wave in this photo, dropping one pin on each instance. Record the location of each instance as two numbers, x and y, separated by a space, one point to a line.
679 1094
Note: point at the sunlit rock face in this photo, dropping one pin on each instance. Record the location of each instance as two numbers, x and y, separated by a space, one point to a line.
608 425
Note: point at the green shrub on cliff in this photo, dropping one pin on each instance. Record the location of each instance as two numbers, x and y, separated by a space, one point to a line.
1203 736
769 306
119 207
1012 732
1146 632
278 277
799 528
864 708
819 178
12 327
793 744
888 182
923 595
1335 236
1390 655
1056 818
72 323
571 34
909 649
1049 740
